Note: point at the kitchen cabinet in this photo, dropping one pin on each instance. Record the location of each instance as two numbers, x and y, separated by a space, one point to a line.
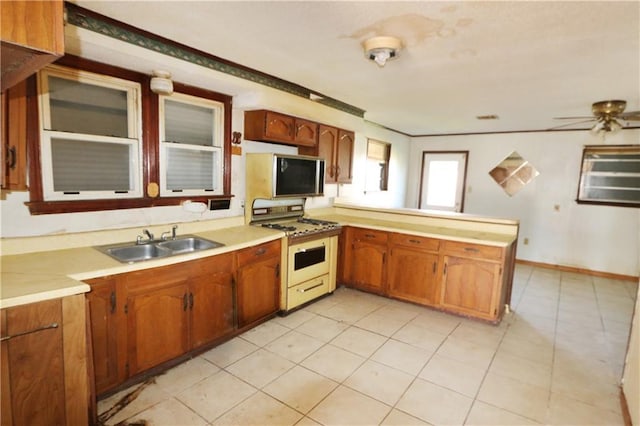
14 137
336 147
32 34
211 299
258 282
105 325
269 126
157 304
413 268
344 156
471 280
365 263
44 363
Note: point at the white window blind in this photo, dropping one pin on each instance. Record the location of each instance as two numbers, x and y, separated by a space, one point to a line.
191 130
90 137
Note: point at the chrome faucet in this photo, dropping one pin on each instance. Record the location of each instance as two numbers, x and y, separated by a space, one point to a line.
165 235
149 235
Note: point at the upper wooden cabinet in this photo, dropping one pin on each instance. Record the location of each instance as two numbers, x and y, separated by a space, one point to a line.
336 147
269 126
14 138
32 34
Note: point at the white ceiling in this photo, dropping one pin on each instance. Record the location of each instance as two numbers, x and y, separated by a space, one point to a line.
526 62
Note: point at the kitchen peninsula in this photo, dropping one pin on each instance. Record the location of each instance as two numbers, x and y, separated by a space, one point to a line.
456 263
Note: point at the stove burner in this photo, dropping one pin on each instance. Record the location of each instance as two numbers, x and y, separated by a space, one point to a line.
279 227
316 221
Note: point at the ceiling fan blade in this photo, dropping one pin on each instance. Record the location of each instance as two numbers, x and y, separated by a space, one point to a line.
574 118
630 116
572 124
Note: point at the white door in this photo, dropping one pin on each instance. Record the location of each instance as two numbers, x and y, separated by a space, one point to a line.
443 180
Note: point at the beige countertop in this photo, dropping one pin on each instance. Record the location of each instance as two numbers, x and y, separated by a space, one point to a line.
33 277
43 275
447 233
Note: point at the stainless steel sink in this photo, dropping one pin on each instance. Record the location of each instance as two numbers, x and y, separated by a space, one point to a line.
133 252
189 244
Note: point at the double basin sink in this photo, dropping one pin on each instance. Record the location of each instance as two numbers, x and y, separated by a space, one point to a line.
135 252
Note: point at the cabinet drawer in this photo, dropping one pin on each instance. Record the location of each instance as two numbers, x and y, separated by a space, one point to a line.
212 265
256 253
473 250
307 291
415 241
369 235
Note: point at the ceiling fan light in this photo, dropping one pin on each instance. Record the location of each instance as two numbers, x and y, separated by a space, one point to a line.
614 126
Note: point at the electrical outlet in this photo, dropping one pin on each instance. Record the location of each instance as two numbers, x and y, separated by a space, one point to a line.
526 241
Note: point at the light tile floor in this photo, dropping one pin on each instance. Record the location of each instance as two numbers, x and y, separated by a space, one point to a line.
359 359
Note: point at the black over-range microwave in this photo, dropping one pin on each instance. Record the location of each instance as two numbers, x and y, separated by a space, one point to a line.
297 176
271 175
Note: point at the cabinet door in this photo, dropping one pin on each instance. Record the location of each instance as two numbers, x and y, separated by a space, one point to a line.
258 283
34 363
412 275
306 132
104 332
157 317
279 127
32 35
211 299
344 159
469 286
14 137
367 266
327 144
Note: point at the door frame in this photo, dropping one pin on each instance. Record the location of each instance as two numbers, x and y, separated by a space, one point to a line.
464 176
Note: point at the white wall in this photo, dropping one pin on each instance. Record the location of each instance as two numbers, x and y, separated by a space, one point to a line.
593 237
15 218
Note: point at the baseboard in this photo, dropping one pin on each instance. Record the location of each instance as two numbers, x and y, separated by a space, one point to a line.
578 270
626 416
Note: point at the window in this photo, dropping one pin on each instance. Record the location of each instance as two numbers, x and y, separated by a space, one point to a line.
443 180
377 172
96 141
90 136
610 175
191 134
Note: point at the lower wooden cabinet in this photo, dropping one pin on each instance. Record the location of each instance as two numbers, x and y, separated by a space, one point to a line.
258 284
108 368
44 363
462 278
157 310
211 299
142 319
365 259
470 286
413 268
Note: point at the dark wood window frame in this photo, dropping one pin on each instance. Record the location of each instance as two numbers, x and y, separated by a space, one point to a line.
150 145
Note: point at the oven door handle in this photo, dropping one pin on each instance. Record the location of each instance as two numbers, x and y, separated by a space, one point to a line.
304 250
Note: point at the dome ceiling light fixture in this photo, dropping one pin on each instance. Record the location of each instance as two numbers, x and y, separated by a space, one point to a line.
381 49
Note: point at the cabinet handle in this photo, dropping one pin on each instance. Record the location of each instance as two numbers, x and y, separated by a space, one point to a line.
337 171
434 267
44 327
11 157
260 251
445 269
302 290
414 241
185 302
113 302
191 301
471 249
278 270
369 235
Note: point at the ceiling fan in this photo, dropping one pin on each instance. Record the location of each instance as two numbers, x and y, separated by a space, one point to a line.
607 116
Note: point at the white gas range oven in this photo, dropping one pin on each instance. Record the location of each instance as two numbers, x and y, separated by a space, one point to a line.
309 251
